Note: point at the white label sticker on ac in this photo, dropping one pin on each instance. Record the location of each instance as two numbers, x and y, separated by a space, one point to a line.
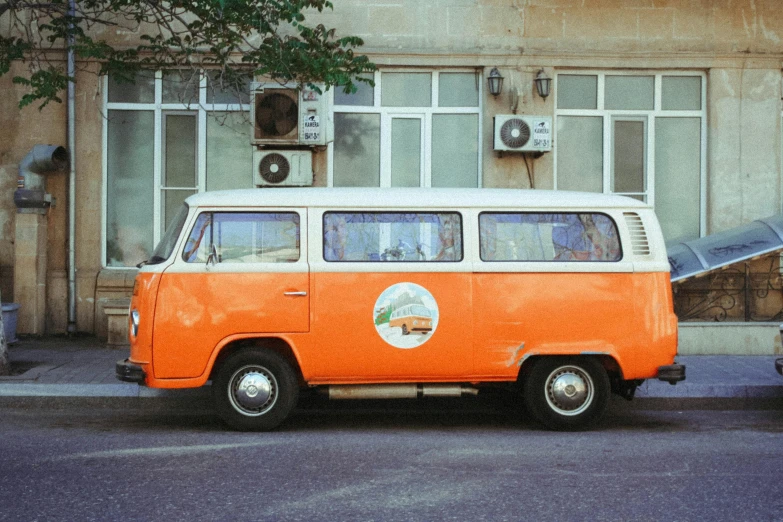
542 134
312 127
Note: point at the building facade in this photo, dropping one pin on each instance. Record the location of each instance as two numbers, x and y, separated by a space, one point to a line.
674 102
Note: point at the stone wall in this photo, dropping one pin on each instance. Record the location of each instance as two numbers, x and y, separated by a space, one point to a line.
738 43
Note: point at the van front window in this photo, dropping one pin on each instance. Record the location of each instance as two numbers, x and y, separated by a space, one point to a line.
169 239
244 237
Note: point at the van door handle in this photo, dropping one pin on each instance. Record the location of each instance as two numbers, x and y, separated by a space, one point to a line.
295 293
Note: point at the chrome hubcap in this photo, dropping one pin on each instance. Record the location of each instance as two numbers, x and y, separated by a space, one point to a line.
569 390
253 390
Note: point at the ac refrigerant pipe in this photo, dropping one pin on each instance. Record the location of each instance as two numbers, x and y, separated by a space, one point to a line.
71 179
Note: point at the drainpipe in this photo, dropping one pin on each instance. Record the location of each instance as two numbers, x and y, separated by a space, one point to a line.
71 180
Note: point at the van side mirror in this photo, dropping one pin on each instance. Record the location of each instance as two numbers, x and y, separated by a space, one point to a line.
213 256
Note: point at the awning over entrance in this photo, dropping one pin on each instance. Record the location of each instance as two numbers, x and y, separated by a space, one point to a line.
695 258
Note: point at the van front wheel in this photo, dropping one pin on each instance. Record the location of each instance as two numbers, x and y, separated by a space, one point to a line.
567 393
255 390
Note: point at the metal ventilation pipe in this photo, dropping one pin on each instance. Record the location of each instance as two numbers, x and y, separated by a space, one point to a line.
30 195
71 176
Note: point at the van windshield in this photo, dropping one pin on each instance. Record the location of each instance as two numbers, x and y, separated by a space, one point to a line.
169 239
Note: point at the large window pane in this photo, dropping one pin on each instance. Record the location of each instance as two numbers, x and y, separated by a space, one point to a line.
406 89
577 91
180 150
229 154
406 152
629 92
580 153
357 150
455 150
630 158
678 176
548 237
244 237
141 90
129 190
392 236
458 90
226 89
681 93
364 95
180 86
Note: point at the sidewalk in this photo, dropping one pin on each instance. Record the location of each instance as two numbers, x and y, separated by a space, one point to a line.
84 367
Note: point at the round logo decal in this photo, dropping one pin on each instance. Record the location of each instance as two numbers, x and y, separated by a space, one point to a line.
406 315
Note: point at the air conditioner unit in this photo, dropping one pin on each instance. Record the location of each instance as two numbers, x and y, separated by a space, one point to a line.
283 168
523 133
283 115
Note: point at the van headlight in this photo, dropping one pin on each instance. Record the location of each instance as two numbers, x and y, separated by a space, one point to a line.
134 319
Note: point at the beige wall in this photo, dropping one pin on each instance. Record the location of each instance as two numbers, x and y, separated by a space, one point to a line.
739 44
745 144
19 131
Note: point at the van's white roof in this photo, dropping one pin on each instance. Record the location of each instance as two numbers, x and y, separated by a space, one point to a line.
431 198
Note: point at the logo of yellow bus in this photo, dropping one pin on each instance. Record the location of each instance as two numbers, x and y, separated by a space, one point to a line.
404 309
412 318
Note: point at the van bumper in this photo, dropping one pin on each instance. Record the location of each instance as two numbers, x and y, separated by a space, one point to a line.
129 372
671 373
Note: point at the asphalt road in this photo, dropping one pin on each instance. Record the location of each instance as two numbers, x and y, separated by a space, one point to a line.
405 461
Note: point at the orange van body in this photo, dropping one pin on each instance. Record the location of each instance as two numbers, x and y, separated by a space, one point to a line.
485 340
492 320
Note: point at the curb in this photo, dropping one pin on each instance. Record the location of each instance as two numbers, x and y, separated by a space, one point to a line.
127 390
680 397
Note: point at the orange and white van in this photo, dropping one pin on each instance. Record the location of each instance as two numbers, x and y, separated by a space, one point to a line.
564 297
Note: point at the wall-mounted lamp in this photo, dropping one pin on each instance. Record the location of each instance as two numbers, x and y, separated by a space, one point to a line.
543 83
495 81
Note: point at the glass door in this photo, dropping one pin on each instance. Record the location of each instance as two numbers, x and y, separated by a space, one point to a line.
629 156
179 162
403 160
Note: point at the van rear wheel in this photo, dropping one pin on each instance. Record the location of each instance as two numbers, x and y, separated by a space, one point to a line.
255 390
567 393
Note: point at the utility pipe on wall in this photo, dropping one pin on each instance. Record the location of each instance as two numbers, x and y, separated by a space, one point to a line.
71 179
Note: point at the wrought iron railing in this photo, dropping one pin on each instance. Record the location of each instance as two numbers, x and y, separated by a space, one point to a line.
748 291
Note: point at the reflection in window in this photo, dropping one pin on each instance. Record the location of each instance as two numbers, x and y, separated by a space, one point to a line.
548 237
357 150
129 211
244 237
398 236
364 95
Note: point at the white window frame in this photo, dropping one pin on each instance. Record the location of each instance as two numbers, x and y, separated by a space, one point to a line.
650 115
201 107
387 113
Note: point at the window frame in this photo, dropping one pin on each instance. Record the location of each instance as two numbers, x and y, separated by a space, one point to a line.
200 108
386 114
650 116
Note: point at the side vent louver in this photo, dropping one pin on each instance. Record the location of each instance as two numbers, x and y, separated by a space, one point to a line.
639 243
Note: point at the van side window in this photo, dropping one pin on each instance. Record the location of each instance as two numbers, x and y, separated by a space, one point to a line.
244 237
392 236
507 236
